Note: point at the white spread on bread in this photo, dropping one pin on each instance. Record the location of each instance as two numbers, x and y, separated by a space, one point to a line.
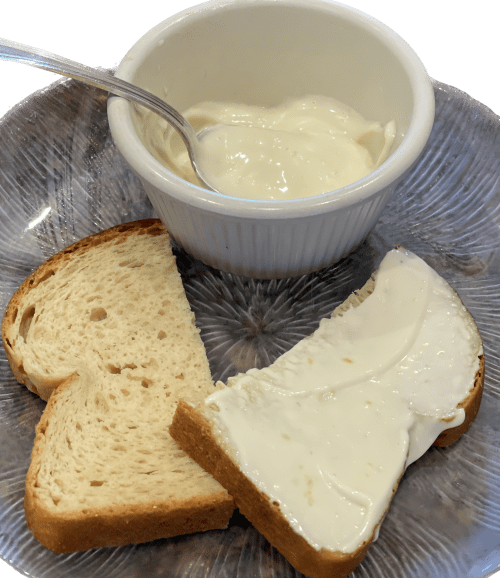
303 147
327 430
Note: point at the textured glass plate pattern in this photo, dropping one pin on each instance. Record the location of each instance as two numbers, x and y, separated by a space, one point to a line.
61 179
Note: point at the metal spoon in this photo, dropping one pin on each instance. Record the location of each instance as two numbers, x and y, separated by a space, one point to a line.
41 59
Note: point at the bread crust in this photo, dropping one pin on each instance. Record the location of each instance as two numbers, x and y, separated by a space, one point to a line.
115 524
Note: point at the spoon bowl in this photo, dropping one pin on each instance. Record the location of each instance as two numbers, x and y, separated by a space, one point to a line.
38 58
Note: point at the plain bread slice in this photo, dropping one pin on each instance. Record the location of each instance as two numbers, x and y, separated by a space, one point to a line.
104 331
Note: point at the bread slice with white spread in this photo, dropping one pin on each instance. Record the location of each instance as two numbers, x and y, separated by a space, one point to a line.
312 448
104 332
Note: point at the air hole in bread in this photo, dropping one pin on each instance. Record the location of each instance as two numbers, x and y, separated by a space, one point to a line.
56 501
131 263
114 370
92 298
130 366
161 312
146 383
101 403
25 324
161 335
125 392
14 314
180 376
98 314
68 441
46 276
96 483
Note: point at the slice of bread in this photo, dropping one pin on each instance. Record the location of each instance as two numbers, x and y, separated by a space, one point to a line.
104 332
312 445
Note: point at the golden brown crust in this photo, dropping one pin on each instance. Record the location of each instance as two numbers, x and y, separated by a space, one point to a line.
100 528
119 528
119 233
193 433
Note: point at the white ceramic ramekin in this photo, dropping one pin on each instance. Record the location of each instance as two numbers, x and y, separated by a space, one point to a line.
263 52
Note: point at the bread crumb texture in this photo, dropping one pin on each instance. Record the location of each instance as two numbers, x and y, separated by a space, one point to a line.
110 324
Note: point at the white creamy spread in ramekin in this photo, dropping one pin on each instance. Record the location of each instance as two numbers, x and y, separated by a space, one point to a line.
327 430
303 147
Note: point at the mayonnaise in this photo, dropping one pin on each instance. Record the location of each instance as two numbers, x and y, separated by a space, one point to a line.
327 430
303 147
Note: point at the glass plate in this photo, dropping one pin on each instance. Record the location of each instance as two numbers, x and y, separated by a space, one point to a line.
61 179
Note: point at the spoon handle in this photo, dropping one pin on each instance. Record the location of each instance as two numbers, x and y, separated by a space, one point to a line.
38 58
